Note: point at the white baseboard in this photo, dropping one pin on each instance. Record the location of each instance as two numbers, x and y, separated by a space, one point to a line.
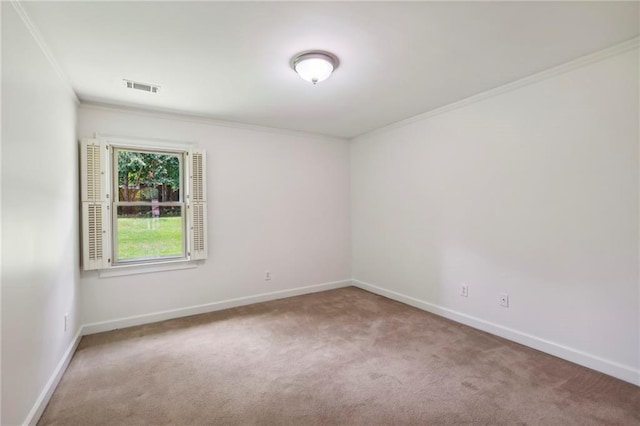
98 327
622 372
45 395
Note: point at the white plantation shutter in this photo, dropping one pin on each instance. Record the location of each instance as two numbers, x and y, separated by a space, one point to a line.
198 205
198 190
95 207
95 236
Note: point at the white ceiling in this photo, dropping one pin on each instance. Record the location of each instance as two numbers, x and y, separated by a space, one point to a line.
230 61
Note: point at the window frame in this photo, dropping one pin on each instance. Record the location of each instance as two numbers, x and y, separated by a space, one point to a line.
183 156
99 192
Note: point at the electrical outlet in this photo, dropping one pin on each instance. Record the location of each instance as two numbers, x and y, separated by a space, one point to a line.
504 300
267 275
464 290
66 321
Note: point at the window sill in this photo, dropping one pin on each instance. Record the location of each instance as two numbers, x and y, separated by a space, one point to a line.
119 271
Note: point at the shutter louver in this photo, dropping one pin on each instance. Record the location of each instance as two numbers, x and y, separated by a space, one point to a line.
95 213
93 172
199 213
198 166
198 206
95 231
93 165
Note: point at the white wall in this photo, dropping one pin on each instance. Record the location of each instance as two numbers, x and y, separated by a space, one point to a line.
533 192
277 201
39 219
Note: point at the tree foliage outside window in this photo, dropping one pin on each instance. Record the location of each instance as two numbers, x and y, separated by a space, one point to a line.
148 175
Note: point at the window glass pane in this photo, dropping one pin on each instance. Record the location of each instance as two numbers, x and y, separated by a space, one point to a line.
149 232
148 176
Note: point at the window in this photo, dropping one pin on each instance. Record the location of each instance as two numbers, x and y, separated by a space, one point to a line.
142 203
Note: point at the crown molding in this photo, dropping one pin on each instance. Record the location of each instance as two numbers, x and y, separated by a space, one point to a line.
17 5
201 119
583 61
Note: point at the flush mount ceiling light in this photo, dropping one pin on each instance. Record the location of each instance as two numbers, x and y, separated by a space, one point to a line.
314 65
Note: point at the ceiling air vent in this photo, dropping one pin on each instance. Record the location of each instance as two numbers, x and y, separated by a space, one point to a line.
145 87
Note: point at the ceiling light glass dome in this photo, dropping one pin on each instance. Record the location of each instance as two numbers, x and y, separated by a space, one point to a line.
315 65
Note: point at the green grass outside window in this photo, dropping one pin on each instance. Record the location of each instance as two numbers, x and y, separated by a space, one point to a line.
148 238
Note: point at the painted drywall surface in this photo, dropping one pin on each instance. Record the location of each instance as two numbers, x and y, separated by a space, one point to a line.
533 193
277 202
39 219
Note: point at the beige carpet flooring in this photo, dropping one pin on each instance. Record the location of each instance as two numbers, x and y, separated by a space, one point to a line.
341 357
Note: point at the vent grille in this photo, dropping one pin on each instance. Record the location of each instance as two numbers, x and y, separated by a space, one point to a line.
145 87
